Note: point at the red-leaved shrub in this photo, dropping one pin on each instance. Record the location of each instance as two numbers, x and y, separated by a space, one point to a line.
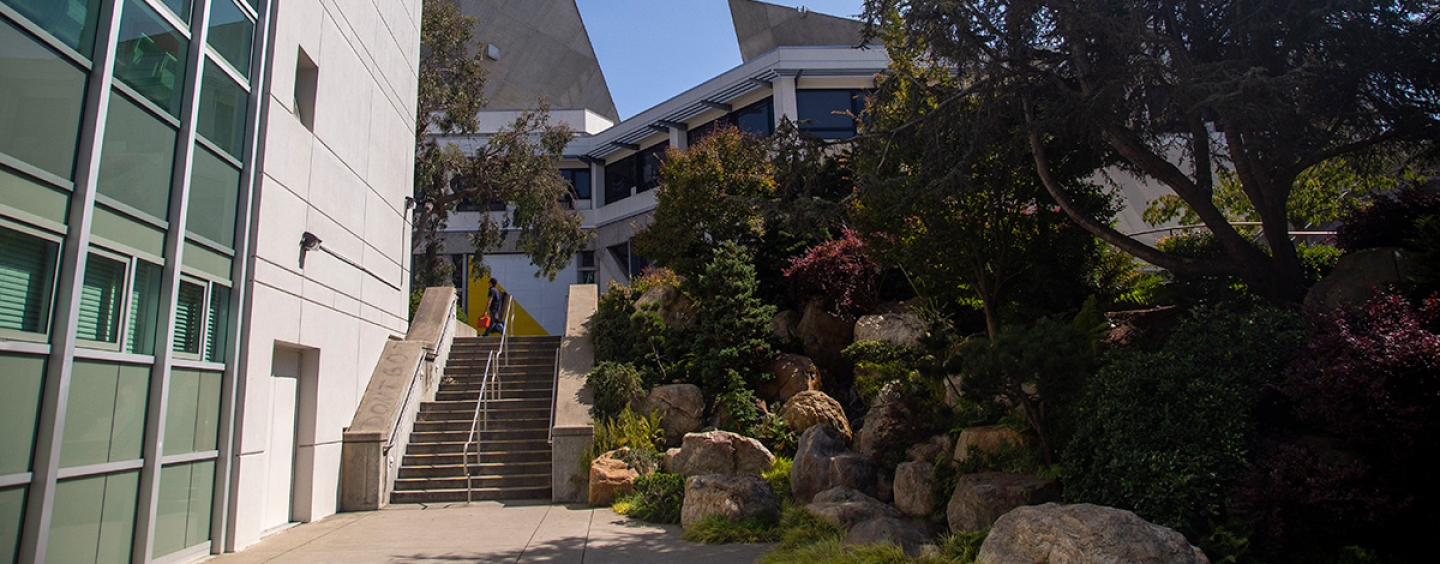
837 271
1353 468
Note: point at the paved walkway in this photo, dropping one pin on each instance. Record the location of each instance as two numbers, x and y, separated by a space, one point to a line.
486 532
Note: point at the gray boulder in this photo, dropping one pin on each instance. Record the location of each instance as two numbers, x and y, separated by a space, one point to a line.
929 450
1356 277
785 325
681 408
824 334
821 463
890 421
980 499
846 507
737 497
721 452
989 439
1083 534
889 530
900 329
912 489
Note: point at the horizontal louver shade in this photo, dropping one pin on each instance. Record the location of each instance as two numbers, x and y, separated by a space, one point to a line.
189 313
144 309
100 300
26 267
219 321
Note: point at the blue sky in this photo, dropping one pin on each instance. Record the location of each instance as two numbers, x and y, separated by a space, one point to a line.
652 50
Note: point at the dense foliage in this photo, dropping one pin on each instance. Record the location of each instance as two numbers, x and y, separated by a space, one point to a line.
1164 433
1269 88
1351 468
838 272
1388 220
657 498
614 386
730 339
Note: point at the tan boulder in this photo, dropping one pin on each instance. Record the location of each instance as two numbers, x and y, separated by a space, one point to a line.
610 477
812 407
721 452
985 439
681 408
793 374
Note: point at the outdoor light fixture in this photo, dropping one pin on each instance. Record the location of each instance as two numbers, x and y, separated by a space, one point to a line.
309 242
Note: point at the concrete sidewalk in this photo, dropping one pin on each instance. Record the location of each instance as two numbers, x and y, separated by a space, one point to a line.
486 532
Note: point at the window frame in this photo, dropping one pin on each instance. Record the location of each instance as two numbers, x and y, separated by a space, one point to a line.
48 315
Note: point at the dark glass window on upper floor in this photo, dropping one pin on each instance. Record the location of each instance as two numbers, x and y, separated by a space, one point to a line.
639 171
579 179
757 119
830 114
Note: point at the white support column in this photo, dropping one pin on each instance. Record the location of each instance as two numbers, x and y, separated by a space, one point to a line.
597 185
678 139
783 90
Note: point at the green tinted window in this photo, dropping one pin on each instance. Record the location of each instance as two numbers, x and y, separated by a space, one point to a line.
21 378
180 7
70 21
101 296
231 33
12 516
214 193
218 325
222 111
137 158
41 98
27 268
94 519
182 519
144 309
105 415
189 316
150 56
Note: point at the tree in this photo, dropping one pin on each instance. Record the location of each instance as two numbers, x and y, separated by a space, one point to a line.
1177 89
708 195
952 199
517 166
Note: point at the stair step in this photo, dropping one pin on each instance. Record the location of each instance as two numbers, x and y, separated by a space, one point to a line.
491 469
457 447
492 457
458 482
479 494
484 436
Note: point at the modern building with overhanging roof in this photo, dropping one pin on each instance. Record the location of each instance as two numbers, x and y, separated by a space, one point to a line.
799 65
177 366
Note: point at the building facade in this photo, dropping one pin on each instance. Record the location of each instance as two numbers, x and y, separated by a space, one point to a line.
177 369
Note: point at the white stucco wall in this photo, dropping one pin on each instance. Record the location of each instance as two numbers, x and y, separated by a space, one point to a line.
346 182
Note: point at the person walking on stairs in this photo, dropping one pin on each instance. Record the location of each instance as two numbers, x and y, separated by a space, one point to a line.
496 304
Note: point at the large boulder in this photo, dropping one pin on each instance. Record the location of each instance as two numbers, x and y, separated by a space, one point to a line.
1356 277
901 329
893 419
824 334
810 408
1083 534
913 484
930 449
737 497
986 440
675 309
980 499
681 408
846 507
721 452
889 530
785 326
821 463
793 374
609 477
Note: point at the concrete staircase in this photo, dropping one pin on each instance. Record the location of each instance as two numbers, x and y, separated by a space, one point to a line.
513 461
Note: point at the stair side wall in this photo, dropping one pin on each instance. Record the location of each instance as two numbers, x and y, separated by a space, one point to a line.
573 428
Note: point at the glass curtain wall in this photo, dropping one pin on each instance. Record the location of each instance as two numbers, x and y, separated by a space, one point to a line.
140 270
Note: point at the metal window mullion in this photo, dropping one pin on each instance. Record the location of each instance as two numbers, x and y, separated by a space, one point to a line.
149 500
232 385
40 502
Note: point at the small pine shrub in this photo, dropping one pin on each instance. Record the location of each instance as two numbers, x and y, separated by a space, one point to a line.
877 352
779 477
657 498
871 377
614 387
840 272
730 337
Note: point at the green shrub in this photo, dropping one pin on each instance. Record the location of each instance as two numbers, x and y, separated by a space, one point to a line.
730 338
877 352
1164 433
640 433
800 527
657 498
716 529
962 548
614 387
871 377
777 436
779 477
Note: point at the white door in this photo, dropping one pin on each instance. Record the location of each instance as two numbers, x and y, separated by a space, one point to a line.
284 393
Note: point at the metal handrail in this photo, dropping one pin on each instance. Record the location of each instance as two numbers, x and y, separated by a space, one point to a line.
491 370
508 317
554 397
409 391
